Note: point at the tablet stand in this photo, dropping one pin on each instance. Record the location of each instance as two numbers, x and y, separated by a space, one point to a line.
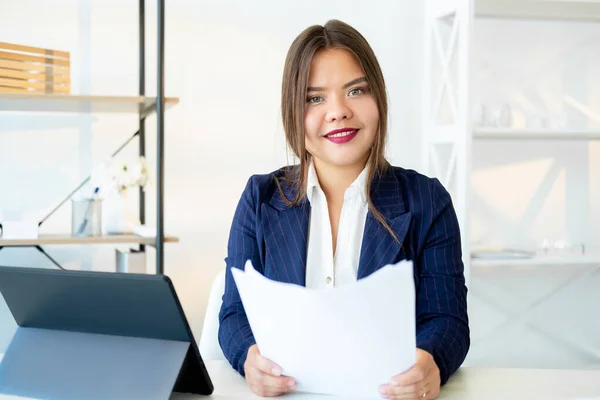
52 364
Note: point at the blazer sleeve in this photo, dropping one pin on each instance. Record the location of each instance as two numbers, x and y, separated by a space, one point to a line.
235 335
442 321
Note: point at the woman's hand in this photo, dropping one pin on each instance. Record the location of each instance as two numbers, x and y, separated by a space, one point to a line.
264 376
420 382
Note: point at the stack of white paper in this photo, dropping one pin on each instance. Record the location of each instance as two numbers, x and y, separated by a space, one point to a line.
346 341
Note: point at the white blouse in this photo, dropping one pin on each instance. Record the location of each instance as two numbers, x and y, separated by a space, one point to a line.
323 270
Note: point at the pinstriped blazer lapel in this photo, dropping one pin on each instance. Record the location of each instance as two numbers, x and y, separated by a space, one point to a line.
286 235
378 247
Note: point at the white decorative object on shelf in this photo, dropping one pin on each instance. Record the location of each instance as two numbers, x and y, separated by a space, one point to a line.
131 174
120 218
504 119
494 116
125 177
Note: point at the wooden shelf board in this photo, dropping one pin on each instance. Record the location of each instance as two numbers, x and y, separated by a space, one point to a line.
555 10
590 259
68 103
65 239
535 134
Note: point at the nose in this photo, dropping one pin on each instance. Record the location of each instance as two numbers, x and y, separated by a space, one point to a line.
338 110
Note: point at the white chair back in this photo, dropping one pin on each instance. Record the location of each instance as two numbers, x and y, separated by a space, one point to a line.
209 339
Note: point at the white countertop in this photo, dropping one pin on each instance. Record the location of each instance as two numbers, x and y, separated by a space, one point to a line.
466 384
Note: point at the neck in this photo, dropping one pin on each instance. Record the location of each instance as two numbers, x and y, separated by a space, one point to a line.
335 180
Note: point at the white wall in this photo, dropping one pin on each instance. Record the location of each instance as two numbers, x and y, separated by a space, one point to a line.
224 60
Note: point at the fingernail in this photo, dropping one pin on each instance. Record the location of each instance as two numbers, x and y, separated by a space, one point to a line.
292 384
276 372
383 391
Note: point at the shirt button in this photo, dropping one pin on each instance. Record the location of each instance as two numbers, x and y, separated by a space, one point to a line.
328 280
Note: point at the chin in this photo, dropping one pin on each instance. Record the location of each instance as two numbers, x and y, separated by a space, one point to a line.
346 161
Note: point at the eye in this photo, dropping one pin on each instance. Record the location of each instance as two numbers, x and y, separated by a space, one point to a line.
356 92
315 99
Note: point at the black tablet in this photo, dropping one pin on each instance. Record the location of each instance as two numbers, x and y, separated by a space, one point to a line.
131 305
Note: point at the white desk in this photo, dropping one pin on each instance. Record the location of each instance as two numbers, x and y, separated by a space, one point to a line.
466 384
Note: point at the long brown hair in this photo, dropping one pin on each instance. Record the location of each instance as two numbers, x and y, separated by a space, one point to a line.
333 35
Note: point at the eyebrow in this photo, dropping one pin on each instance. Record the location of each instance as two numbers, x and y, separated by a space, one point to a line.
347 85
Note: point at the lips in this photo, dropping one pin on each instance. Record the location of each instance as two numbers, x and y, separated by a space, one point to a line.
343 135
341 132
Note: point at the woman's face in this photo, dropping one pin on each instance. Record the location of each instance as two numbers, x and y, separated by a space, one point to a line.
341 118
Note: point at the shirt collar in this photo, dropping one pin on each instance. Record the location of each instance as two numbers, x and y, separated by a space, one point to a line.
358 187
312 181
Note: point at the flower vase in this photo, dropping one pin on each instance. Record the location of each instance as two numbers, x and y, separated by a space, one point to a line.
120 219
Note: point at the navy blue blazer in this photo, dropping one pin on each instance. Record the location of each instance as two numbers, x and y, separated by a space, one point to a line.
420 212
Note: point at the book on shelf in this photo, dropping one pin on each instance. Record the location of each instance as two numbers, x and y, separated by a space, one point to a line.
28 69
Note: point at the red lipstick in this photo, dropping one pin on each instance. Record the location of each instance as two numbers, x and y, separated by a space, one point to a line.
342 135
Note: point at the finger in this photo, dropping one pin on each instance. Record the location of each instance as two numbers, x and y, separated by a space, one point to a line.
265 391
280 384
266 366
268 385
429 389
390 391
432 385
433 394
413 376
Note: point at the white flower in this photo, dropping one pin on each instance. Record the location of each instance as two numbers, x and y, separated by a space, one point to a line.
131 174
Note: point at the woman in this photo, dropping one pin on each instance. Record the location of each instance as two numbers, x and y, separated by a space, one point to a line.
344 212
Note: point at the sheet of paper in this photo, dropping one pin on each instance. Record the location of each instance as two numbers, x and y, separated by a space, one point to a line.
347 341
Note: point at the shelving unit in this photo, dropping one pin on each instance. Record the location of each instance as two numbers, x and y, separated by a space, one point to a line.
447 146
140 105
511 294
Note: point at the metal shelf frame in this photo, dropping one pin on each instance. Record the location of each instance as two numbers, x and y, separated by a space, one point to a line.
141 105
